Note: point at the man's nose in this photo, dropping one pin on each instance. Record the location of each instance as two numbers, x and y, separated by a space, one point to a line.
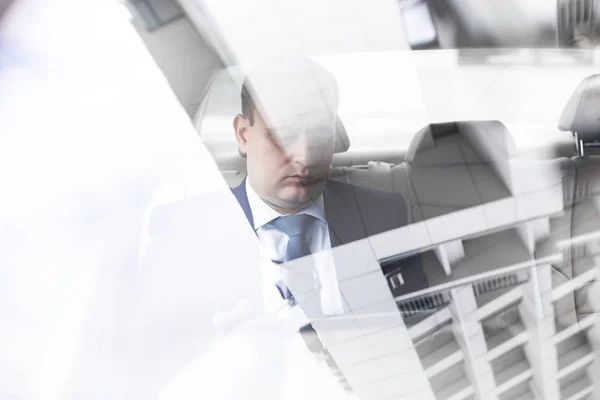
304 151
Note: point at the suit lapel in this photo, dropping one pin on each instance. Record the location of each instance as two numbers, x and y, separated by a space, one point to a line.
343 214
242 197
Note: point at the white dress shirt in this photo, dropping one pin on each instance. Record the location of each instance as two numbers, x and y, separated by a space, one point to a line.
274 244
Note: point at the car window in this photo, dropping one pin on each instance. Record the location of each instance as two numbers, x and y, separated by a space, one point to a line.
449 252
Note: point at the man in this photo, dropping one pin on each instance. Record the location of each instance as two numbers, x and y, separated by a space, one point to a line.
287 133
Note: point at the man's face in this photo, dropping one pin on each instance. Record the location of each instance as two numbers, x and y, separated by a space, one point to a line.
287 165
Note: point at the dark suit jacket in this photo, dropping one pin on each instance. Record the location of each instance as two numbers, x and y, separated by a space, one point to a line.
355 213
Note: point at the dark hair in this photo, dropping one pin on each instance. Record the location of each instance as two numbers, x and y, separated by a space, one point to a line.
247 102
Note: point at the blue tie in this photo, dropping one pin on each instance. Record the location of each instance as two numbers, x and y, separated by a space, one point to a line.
296 228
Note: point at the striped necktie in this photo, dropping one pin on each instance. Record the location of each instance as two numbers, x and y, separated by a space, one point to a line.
296 228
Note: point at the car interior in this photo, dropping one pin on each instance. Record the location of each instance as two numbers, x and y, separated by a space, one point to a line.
487 213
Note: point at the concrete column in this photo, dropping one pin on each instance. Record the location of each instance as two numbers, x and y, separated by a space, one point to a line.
537 314
469 334
594 334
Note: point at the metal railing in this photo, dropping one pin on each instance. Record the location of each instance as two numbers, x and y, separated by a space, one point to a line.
431 302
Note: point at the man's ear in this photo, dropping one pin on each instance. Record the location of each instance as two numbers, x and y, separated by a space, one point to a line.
241 127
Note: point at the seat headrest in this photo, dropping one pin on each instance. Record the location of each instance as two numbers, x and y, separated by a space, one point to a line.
342 141
490 139
582 112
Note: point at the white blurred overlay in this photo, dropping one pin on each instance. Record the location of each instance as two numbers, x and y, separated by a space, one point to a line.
88 126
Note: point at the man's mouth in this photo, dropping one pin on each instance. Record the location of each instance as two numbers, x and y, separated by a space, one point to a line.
303 179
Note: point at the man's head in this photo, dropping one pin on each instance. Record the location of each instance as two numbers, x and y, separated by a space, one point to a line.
287 131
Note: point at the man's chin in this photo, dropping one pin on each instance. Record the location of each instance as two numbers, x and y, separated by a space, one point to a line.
300 195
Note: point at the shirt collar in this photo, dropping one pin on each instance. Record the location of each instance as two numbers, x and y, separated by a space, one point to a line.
262 213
